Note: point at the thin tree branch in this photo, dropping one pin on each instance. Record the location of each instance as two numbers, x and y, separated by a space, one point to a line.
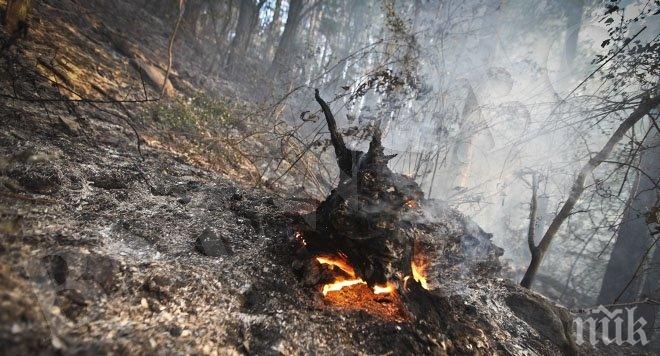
182 4
645 106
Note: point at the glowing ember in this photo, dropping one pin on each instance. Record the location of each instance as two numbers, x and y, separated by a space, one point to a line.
300 238
361 297
386 289
341 264
350 292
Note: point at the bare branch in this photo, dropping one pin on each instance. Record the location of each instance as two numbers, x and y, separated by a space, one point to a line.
182 6
645 106
343 154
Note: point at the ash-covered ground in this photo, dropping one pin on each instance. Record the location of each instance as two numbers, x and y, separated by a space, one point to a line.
101 253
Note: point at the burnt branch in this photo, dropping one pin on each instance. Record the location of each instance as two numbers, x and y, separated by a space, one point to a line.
345 156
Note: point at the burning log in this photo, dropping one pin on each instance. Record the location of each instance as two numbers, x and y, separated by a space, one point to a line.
376 230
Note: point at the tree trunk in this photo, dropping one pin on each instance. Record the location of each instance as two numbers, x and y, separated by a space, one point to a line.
227 21
461 157
219 55
352 25
314 21
248 16
194 10
623 281
274 29
283 54
633 237
651 290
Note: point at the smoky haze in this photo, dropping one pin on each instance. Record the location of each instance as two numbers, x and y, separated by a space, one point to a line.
214 173
476 98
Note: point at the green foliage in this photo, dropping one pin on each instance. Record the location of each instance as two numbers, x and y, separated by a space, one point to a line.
633 60
193 113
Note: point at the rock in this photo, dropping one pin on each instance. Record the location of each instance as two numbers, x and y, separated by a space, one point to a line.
184 200
548 320
209 244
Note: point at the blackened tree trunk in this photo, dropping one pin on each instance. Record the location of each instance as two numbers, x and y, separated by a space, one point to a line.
631 274
283 54
248 16
361 218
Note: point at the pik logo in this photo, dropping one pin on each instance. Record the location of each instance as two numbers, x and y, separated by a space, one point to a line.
616 326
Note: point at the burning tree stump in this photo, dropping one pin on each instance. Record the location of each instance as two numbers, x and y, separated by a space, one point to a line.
376 230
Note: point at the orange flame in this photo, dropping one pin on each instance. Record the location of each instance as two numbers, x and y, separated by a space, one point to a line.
341 264
419 273
340 283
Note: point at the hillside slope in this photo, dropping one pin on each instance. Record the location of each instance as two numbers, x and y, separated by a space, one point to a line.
163 247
